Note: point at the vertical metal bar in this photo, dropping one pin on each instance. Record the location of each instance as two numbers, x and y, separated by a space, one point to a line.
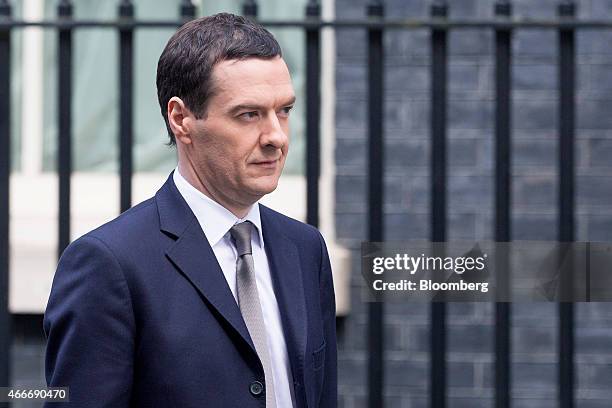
375 10
439 10
5 171
64 12
313 114
126 127
567 83
587 278
503 62
188 10
249 8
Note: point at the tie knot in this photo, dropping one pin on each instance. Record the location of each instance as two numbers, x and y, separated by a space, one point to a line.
241 235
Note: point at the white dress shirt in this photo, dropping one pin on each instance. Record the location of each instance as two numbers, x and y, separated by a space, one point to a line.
216 222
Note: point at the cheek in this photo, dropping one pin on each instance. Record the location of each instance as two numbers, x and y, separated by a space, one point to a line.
212 158
217 148
228 147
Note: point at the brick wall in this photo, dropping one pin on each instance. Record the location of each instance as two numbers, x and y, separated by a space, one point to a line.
470 197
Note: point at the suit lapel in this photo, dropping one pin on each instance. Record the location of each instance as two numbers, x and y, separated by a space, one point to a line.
192 255
283 258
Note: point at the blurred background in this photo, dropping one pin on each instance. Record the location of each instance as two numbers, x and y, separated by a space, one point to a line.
422 131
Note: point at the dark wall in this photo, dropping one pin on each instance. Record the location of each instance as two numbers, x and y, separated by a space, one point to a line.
28 356
470 196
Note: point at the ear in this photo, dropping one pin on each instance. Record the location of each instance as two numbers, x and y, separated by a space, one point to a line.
180 120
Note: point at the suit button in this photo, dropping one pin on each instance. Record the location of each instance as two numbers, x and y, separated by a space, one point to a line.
256 388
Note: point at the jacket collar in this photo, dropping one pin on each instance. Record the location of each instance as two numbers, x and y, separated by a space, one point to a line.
214 219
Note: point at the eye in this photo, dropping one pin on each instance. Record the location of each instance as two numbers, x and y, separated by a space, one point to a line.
285 111
250 116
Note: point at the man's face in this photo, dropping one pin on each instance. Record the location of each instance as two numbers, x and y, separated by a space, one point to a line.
240 145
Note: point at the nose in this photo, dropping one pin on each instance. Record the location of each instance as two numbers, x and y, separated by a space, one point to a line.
273 134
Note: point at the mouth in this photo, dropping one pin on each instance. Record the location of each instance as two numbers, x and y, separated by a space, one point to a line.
266 164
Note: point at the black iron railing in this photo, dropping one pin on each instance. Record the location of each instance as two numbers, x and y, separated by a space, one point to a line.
375 23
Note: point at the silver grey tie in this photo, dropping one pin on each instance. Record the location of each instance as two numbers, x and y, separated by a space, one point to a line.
248 300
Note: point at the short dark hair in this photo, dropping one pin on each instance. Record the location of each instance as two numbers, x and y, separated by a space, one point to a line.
185 66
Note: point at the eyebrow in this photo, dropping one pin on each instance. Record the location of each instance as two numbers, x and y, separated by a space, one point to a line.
255 106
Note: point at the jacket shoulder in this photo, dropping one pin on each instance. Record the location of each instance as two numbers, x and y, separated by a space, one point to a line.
131 226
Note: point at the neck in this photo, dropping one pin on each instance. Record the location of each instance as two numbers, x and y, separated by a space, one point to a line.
189 174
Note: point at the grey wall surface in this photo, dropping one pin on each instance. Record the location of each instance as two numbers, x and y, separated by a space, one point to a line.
470 197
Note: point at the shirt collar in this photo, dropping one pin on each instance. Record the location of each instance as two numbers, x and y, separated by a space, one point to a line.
215 220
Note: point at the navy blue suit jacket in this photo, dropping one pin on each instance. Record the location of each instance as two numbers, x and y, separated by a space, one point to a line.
140 314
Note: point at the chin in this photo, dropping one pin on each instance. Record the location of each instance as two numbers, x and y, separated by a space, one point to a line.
264 187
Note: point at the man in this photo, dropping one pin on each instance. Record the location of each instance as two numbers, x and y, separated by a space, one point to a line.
200 296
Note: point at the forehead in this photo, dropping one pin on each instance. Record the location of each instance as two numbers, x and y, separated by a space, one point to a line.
263 79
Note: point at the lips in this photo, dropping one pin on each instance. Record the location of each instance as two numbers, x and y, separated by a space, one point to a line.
266 161
268 164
